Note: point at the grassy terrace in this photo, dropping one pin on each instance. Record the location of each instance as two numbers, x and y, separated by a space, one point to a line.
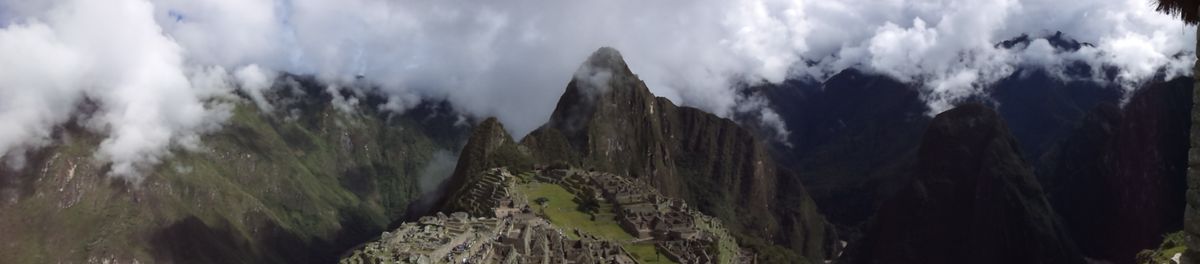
561 209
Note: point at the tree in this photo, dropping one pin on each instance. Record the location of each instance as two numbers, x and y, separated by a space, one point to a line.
1187 10
588 205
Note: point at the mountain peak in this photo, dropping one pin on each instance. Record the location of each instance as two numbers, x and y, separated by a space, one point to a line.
608 120
602 80
606 57
595 75
1058 41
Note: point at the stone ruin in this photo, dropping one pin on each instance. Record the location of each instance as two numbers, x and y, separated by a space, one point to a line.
512 233
489 194
649 216
459 238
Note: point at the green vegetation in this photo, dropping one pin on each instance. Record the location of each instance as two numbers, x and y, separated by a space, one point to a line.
548 145
647 253
562 211
525 177
510 155
726 244
260 183
1172 244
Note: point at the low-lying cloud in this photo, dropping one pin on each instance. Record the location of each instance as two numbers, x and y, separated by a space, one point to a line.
113 53
154 67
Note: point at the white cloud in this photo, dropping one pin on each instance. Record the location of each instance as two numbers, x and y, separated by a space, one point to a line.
1041 53
759 109
254 80
114 53
512 58
151 65
1138 56
901 52
400 102
38 86
345 104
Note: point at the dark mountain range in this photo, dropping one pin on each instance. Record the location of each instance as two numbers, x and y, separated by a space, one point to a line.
852 138
971 199
1042 109
1119 179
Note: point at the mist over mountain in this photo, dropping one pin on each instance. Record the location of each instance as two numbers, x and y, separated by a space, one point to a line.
297 184
464 52
747 131
854 140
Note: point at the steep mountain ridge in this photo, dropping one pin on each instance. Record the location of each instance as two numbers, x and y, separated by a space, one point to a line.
1042 109
853 136
1120 177
852 139
972 199
296 185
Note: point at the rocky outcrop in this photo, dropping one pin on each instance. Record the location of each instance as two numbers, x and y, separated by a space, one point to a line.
972 199
608 120
489 146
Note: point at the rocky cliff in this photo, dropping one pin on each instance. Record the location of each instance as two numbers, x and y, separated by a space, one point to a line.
489 146
1119 180
972 199
852 140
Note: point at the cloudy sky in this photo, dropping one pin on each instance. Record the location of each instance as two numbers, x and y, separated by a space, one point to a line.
153 66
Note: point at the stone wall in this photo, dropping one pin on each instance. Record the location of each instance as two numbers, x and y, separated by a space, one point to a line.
1191 215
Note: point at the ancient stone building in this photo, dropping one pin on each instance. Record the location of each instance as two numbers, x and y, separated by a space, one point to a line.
503 228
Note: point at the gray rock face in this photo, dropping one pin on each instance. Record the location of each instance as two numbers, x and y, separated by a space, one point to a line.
608 119
1191 215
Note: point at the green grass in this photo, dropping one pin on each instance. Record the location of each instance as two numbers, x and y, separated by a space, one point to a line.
727 246
526 176
1172 244
646 253
562 211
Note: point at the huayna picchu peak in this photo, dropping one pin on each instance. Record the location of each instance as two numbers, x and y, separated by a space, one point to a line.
608 122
